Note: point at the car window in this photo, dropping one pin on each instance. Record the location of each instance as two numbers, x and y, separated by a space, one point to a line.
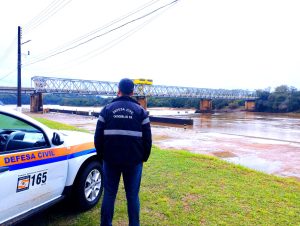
16 134
8 122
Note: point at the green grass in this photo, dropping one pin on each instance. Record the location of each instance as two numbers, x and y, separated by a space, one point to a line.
181 188
57 125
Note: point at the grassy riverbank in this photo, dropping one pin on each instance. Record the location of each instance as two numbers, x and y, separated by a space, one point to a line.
57 125
181 188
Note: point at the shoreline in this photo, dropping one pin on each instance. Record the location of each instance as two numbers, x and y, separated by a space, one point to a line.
276 160
180 111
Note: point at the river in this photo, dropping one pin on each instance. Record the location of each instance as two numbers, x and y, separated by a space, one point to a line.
261 141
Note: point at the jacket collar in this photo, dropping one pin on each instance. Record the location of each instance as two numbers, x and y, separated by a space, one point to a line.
125 98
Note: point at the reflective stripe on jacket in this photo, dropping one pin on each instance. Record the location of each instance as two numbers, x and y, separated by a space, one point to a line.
123 133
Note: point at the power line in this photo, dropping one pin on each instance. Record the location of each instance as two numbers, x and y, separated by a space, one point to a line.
103 48
110 44
98 29
40 14
8 51
50 15
105 33
37 17
45 14
8 74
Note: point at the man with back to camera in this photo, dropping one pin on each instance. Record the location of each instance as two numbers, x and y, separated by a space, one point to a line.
123 141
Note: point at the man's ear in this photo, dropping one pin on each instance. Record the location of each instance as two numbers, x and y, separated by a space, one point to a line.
131 94
119 93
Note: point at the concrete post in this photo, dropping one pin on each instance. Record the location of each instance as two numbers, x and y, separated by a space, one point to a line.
36 102
205 105
142 101
249 105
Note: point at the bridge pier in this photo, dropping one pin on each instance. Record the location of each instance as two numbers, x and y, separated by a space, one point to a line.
205 106
142 100
250 105
36 102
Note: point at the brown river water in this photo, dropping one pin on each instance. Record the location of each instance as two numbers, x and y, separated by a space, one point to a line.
261 141
264 142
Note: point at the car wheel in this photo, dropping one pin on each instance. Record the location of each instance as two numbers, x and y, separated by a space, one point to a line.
88 188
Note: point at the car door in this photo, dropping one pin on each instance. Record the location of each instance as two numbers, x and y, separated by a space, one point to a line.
32 172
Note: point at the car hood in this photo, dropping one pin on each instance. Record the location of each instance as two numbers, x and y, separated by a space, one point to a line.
74 137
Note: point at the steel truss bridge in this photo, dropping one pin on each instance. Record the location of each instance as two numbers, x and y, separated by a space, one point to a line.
91 87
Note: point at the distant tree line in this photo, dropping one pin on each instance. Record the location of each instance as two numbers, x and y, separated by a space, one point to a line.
282 99
76 100
173 102
227 104
12 98
59 99
193 103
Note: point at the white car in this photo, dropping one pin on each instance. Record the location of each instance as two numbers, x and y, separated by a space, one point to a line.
40 166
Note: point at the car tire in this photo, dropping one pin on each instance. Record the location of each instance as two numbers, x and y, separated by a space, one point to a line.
88 187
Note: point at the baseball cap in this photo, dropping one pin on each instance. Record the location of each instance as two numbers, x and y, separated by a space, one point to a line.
126 86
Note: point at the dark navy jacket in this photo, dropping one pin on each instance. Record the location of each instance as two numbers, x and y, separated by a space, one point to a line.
123 133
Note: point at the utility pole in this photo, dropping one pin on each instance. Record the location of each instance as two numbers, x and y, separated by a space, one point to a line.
19 102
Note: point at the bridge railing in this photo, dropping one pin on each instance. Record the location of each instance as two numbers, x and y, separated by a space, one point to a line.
13 90
189 92
64 85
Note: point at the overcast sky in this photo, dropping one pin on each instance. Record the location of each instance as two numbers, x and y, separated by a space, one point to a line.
206 44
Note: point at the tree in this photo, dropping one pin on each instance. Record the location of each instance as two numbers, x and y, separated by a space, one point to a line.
283 99
282 89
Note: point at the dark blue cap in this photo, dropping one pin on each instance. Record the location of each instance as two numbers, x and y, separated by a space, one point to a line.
126 86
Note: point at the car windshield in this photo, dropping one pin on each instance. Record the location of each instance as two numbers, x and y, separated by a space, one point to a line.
10 123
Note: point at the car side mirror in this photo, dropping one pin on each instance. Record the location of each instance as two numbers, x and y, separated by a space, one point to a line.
56 140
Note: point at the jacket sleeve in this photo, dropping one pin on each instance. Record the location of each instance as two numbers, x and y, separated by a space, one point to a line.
146 135
99 134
